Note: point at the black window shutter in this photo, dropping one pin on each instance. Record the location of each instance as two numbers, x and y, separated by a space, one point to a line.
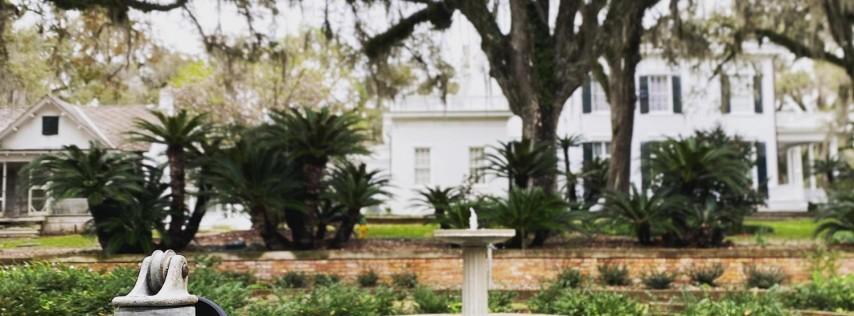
644 94
757 93
762 168
645 174
50 125
588 151
725 93
677 94
586 97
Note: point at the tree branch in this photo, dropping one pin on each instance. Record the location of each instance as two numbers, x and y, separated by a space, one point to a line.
439 14
141 5
798 48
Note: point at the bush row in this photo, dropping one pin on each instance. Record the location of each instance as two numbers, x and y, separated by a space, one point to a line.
47 289
706 275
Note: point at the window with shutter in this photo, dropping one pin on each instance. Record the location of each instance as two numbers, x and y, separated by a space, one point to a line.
741 94
659 94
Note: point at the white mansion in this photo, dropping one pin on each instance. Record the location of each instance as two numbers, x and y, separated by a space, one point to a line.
428 142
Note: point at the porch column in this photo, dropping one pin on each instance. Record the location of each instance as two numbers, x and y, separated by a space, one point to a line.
811 159
796 176
3 190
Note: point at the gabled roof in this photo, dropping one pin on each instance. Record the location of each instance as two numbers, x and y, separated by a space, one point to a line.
107 124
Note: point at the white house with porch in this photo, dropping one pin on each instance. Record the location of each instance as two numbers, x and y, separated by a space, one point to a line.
428 142
43 128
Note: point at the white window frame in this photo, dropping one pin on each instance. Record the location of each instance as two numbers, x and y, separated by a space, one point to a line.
601 150
741 101
598 99
666 94
477 164
422 170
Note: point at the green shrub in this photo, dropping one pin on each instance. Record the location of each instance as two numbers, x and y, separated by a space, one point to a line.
323 279
736 305
368 279
528 211
56 290
335 299
569 278
231 290
574 302
706 275
763 278
710 171
405 280
501 301
613 275
430 302
293 280
834 294
658 280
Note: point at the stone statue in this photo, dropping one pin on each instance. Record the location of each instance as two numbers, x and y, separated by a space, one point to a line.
472 219
160 289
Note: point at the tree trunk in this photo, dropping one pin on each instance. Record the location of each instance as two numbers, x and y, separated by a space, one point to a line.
314 177
622 99
623 55
297 222
345 229
269 230
571 195
177 185
644 233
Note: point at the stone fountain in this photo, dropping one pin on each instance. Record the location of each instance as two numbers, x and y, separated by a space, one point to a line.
475 243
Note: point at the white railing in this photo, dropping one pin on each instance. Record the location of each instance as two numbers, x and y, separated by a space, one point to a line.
453 104
803 121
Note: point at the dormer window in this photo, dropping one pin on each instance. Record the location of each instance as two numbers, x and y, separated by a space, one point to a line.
50 125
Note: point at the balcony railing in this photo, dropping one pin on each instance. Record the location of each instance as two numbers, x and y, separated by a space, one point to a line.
453 104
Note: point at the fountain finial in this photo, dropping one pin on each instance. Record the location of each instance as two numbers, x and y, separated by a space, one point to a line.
472 219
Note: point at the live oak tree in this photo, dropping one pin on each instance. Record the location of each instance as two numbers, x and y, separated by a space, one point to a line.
817 29
621 52
538 64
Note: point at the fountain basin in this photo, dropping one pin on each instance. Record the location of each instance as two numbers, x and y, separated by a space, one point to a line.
474 237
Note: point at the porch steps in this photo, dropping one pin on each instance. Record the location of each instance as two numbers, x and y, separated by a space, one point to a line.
19 232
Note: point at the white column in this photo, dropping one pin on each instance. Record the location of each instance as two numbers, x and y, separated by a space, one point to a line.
475 281
3 189
797 167
811 160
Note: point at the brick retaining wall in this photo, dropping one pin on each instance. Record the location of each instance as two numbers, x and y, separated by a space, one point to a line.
512 269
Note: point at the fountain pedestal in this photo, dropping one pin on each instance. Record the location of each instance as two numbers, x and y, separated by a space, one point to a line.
475 265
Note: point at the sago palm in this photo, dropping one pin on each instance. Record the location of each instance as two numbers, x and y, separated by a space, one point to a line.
312 137
521 161
438 198
354 187
640 209
260 179
182 135
528 211
693 167
837 216
134 228
565 143
110 182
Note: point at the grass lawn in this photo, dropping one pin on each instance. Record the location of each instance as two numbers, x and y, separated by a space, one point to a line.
801 228
410 231
64 241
